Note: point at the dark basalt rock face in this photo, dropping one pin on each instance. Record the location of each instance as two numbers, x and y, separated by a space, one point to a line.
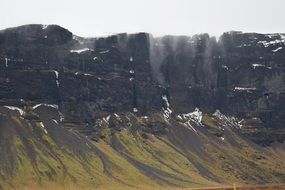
241 74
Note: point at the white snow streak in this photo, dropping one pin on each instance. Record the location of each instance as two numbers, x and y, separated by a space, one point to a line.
56 78
6 62
257 65
166 111
47 105
244 89
80 50
55 121
103 52
15 109
42 125
275 50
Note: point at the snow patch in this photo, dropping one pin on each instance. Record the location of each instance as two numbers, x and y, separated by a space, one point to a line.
42 125
103 52
132 71
77 39
232 121
56 78
87 74
196 115
47 105
55 121
164 97
131 59
106 119
22 112
135 110
56 74
81 50
166 111
98 59
275 50
221 116
225 67
44 27
244 89
257 65
240 123
6 62
61 117
273 42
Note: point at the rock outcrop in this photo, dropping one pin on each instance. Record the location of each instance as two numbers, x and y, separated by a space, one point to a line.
241 74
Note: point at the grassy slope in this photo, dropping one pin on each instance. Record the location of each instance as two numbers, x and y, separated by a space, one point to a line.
125 160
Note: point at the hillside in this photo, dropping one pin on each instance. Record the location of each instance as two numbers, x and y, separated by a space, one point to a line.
134 111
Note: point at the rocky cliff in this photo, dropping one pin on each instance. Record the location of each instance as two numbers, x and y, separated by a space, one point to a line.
188 94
